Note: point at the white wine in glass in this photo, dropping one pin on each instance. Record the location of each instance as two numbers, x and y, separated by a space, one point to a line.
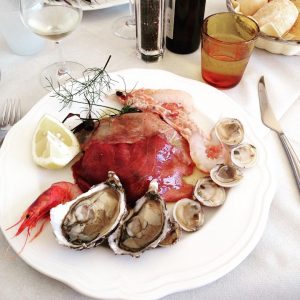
54 19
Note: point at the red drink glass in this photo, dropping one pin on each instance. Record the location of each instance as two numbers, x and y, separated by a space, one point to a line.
228 40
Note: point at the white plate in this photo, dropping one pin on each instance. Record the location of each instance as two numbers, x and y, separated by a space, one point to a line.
229 234
101 4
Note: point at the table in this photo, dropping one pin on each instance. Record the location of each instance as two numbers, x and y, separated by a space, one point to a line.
272 270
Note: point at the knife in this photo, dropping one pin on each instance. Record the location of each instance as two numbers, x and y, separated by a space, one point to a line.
269 119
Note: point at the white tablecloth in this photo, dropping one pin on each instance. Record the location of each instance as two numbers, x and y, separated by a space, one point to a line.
272 270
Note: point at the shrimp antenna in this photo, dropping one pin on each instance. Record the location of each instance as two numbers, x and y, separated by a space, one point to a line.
27 235
12 226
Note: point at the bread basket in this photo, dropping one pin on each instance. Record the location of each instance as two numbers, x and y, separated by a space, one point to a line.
274 44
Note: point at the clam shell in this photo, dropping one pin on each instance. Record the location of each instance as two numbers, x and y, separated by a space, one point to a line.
226 175
244 155
209 193
229 131
188 214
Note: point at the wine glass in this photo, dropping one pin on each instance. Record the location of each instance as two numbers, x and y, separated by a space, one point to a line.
54 19
124 27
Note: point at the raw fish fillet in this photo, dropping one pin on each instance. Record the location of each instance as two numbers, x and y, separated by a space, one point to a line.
138 147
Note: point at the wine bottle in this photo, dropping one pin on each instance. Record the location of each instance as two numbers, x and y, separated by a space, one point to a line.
183 25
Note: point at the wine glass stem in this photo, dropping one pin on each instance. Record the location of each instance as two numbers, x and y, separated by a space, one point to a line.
62 70
131 12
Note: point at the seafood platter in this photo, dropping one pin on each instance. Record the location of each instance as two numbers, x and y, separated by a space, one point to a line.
279 23
168 184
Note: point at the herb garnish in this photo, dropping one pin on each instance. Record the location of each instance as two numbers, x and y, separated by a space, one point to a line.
89 91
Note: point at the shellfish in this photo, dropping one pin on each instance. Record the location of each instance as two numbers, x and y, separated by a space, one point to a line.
145 227
91 217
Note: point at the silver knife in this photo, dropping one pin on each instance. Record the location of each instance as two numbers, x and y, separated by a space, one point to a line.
269 119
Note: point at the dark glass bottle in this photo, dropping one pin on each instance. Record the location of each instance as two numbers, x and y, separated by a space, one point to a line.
184 19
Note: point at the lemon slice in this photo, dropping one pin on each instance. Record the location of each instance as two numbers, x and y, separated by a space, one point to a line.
53 145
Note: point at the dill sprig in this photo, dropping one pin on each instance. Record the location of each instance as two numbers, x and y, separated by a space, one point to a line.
89 91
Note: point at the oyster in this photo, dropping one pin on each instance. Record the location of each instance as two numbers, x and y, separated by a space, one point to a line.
244 155
145 227
172 236
87 220
226 175
229 131
188 214
209 193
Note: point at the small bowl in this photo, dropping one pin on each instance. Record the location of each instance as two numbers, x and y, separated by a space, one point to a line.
273 44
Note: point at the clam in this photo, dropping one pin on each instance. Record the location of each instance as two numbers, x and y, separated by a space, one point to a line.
145 227
226 175
244 155
188 214
173 235
229 131
87 220
209 193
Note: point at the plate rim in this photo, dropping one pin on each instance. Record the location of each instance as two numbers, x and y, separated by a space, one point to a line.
189 283
104 5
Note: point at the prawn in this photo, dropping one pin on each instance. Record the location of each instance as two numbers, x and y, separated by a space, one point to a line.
39 210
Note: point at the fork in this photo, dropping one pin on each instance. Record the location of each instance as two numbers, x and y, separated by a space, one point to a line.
11 114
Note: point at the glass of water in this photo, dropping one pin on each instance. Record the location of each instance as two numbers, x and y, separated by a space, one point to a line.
54 20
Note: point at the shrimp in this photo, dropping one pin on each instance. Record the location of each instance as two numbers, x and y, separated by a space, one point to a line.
176 108
39 210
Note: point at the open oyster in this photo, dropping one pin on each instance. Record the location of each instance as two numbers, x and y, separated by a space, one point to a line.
209 193
145 226
188 214
229 131
244 155
226 175
87 220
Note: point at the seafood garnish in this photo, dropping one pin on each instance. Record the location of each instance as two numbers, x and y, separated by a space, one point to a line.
145 227
188 214
39 210
176 108
88 219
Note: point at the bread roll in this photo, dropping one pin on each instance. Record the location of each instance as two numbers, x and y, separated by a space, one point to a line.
249 7
276 17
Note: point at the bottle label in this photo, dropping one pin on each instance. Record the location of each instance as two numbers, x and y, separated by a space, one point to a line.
170 13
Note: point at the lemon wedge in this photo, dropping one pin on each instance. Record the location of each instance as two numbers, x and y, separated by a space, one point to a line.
53 145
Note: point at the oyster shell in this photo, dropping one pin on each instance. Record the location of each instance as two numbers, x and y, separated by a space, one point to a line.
188 214
172 236
226 175
146 225
209 193
244 155
229 131
87 220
